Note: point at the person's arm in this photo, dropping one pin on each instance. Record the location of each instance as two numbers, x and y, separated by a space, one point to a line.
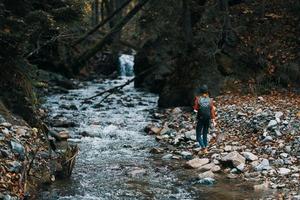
196 104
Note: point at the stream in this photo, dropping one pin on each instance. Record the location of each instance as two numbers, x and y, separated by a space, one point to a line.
114 160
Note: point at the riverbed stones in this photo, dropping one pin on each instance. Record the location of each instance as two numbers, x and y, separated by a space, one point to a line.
235 158
186 155
18 149
250 156
283 171
263 165
207 174
272 124
197 162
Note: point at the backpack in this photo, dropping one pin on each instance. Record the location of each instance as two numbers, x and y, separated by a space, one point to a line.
204 108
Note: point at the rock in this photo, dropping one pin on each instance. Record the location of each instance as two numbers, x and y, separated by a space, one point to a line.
190 135
242 114
263 165
155 130
207 167
216 168
272 124
278 133
61 136
167 157
278 115
250 156
260 187
260 98
84 134
207 174
232 176
186 155
283 171
156 150
288 149
176 110
5 131
227 148
267 139
197 162
235 158
63 123
15 167
137 172
284 155
207 181
6 124
18 149
241 167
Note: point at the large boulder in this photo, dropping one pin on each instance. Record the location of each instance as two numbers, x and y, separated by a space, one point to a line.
235 158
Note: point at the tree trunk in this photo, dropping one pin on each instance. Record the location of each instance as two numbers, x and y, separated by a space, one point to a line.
81 60
109 18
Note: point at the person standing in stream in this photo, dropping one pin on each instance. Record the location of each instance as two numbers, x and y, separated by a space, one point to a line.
205 109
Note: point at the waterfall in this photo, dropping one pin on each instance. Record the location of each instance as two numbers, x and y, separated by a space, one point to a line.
126 63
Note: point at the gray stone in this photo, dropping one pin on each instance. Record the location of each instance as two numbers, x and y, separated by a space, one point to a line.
18 148
207 181
186 155
263 165
283 171
278 114
278 133
241 167
167 157
227 148
267 139
272 124
250 156
284 155
190 135
288 149
234 157
6 124
197 162
207 174
15 167
5 131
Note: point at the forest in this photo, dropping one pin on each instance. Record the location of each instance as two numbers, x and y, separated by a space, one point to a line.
149 99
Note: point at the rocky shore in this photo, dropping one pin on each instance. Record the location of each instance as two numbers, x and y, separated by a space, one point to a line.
257 139
32 156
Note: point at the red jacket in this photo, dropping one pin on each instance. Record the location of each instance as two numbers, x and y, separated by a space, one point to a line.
212 107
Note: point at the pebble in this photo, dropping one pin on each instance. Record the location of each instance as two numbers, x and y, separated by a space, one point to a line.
283 171
207 181
186 155
250 156
272 123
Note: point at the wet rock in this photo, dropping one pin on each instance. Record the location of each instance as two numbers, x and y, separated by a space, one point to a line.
263 165
235 158
197 162
155 130
61 136
232 176
250 156
186 155
283 171
6 124
18 149
85 134
167 157
207 174
207 181
137 172
156 150
63 123
15 167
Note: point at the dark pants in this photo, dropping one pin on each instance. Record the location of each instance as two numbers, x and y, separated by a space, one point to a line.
202 131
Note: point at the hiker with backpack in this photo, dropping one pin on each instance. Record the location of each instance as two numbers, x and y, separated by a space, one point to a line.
204 107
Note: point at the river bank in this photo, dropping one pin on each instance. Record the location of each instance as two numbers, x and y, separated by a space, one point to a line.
257 140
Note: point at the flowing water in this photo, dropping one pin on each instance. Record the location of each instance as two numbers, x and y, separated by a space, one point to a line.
114 160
